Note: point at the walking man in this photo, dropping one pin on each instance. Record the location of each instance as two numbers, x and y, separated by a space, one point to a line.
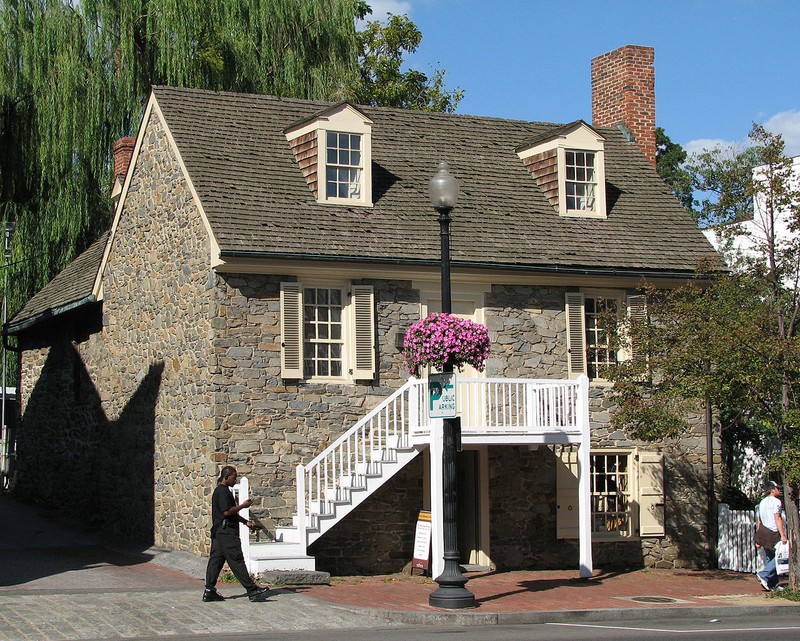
771 529
225 543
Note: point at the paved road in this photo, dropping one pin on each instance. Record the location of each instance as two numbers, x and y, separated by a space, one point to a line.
768 628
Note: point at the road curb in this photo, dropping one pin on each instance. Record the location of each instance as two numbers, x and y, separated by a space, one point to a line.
465 618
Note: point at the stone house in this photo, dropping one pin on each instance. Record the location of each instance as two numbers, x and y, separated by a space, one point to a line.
245 308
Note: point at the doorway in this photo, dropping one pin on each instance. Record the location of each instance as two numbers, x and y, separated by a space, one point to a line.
469 517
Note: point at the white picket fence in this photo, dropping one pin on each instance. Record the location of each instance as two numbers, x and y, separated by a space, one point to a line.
735 548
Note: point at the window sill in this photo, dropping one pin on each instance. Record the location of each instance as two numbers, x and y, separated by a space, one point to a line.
611 538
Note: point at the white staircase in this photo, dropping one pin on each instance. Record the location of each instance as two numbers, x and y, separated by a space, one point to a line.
341 478
492 410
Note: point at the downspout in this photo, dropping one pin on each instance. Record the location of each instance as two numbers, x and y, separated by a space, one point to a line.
712 524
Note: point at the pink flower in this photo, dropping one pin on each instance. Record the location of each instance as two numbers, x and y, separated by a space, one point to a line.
440 339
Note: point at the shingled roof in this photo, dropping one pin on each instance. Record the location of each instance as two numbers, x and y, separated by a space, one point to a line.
259 204
71 288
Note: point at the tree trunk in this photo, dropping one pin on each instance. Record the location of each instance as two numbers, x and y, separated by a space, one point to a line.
790 503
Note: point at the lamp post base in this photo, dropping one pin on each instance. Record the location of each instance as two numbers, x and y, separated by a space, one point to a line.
451 598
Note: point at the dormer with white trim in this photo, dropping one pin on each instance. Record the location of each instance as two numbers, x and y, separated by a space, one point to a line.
568 164
334 152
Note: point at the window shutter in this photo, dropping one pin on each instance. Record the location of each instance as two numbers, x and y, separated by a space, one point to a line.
637 312
291 330
567 493
651 494
364 332
576 335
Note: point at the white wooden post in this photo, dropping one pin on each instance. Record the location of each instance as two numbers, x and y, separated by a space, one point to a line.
242 489
584 485
437 491
302 514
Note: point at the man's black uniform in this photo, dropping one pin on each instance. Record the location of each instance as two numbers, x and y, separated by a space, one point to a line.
225 542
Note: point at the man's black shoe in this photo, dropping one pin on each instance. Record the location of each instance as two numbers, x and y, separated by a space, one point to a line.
258 594
212 595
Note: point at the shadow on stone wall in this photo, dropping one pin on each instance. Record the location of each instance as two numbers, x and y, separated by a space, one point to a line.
79 465
686 489
378 536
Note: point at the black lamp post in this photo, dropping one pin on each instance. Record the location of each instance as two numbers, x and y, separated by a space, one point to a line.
451 592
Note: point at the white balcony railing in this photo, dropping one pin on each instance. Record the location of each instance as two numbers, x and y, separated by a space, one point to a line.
487 407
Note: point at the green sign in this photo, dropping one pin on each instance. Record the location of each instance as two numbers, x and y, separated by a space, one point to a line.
442 390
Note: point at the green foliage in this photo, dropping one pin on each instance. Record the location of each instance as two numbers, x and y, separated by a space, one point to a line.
729 338
382 82
670 157
75 76
721 179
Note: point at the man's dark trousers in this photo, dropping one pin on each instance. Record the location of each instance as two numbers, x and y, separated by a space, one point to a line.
226 546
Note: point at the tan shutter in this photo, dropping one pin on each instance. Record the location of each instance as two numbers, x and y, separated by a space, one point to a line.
291 330
576 335
567 493
637 312
651 494
364 332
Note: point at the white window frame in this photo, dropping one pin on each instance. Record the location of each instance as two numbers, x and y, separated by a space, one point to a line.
629 494
585 191
619 354
575 313
358 333
340 119
646 498
309 344
355 171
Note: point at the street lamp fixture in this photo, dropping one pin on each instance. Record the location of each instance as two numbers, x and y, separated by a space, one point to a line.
451 592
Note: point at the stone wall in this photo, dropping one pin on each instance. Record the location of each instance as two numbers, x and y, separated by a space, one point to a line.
138 393
266 426
528 331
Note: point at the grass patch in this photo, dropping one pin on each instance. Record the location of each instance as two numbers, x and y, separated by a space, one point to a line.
786 593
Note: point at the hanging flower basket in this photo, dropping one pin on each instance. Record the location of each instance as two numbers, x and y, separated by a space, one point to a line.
442 339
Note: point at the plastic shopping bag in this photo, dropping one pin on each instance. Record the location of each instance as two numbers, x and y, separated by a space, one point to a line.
782 558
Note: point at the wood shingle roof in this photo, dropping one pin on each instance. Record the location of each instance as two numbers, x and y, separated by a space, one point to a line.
259 205
258 202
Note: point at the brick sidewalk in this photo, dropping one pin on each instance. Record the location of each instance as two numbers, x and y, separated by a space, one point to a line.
552 590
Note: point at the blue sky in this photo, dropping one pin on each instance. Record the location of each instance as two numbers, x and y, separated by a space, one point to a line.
720 64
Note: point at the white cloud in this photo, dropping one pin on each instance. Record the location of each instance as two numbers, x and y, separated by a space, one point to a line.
705 144
381 8
786 123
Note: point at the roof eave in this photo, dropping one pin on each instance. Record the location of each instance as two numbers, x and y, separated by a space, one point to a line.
582 270
11 328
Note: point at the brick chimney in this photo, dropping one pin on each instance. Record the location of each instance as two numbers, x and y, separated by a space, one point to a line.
123 151
624 92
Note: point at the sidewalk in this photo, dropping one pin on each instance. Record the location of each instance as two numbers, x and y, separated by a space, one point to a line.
60 584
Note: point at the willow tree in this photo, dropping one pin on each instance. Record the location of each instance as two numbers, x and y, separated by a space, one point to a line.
75 75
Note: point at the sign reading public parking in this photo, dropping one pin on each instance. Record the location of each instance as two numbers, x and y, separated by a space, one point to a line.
442 390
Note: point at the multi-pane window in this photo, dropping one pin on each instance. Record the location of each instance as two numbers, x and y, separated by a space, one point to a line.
611 494
343 166
580 180
599 355
323 341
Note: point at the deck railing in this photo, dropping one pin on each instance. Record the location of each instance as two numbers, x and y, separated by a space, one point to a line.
485 405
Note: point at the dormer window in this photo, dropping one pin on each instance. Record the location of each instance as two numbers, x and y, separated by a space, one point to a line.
580 185
568 165
334 152
343 169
